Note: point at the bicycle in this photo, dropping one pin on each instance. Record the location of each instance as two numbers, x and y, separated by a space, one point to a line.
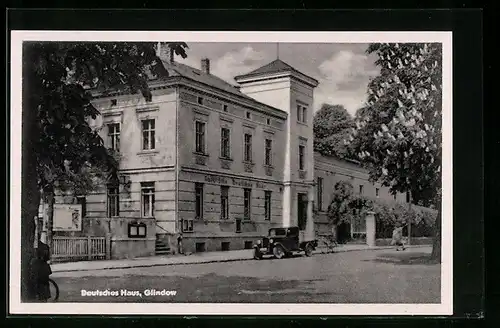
330 242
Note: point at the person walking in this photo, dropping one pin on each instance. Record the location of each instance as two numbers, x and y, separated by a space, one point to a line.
397 237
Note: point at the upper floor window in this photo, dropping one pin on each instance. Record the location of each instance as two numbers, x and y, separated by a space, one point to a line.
148 134
200 100
224 107
225 143
269 152
248 115
248 147
302 150
114 136
301 114
200 137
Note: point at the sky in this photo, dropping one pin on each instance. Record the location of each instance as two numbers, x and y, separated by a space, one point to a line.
343 70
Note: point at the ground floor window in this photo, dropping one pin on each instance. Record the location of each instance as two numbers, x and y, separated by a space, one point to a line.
247 202
113 201
224 202
148 199
267 205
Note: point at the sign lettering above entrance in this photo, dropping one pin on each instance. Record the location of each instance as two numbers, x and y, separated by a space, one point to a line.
233 181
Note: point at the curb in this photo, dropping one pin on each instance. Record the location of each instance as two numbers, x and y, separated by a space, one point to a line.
222 260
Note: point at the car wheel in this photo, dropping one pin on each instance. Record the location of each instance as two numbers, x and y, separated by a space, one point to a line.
309 250
278 252
257 254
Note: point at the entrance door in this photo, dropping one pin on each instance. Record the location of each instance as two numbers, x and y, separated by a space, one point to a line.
302 211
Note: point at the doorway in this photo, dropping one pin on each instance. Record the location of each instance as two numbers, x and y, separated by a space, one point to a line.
302 211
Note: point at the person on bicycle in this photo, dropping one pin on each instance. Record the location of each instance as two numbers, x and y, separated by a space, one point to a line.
42 271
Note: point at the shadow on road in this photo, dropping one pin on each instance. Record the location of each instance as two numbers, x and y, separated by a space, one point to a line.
403 258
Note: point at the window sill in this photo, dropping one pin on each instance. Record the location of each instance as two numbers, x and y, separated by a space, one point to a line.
200 154
227 159
302 123
148 152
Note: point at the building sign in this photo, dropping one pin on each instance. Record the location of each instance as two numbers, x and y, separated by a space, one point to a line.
234 182
67 217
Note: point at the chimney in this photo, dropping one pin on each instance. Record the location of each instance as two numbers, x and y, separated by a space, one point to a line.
205 65
164 52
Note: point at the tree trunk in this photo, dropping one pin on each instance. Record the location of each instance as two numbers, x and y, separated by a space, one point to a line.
436 245
50 200
30 202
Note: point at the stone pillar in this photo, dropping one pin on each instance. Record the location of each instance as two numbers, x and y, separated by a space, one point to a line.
370 228
309 233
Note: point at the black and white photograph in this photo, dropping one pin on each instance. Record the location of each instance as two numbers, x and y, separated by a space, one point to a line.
231 173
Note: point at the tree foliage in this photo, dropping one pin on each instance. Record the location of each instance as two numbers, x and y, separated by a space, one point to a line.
331 126
59 145
398 132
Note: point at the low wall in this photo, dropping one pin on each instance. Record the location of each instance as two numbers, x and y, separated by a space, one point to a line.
414 241
122 246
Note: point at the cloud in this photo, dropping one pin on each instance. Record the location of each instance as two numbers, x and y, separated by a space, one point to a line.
343 80
231 63
238 62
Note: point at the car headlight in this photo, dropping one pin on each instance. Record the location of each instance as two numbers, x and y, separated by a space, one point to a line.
271 241
259 242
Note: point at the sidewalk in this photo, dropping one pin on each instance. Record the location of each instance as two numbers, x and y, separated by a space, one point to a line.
196 258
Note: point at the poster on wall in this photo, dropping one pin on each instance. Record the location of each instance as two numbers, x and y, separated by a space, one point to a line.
67 217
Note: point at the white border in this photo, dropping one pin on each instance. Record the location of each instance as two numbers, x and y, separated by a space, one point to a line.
444 308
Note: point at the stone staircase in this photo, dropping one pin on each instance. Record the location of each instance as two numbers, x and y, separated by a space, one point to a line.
161 248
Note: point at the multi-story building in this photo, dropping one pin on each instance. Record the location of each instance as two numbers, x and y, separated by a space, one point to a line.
220 164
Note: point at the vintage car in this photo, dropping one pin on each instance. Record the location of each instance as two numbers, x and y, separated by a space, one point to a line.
282 242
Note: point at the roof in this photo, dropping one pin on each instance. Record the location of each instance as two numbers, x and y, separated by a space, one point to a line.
178 69
276 66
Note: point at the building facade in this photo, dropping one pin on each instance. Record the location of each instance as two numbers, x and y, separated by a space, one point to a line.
216 163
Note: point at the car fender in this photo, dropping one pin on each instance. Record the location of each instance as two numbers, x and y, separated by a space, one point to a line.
280 244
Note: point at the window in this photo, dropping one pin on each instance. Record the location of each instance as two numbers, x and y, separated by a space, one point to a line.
224 107
268 121
198 190
225 143
320 194
267 205
269 152
248 244
361 189
224 202
248 147
247 195
224 246
200 137
200 100
249 116
377 192
148 134
200 247
301 114
148 199
113 201
301 157
114 136
187 225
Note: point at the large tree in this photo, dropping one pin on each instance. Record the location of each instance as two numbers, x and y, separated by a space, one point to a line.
57 139
398 133
331 126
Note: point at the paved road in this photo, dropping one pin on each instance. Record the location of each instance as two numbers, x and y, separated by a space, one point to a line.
383 276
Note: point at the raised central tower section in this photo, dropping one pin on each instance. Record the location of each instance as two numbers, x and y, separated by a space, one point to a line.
280 85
